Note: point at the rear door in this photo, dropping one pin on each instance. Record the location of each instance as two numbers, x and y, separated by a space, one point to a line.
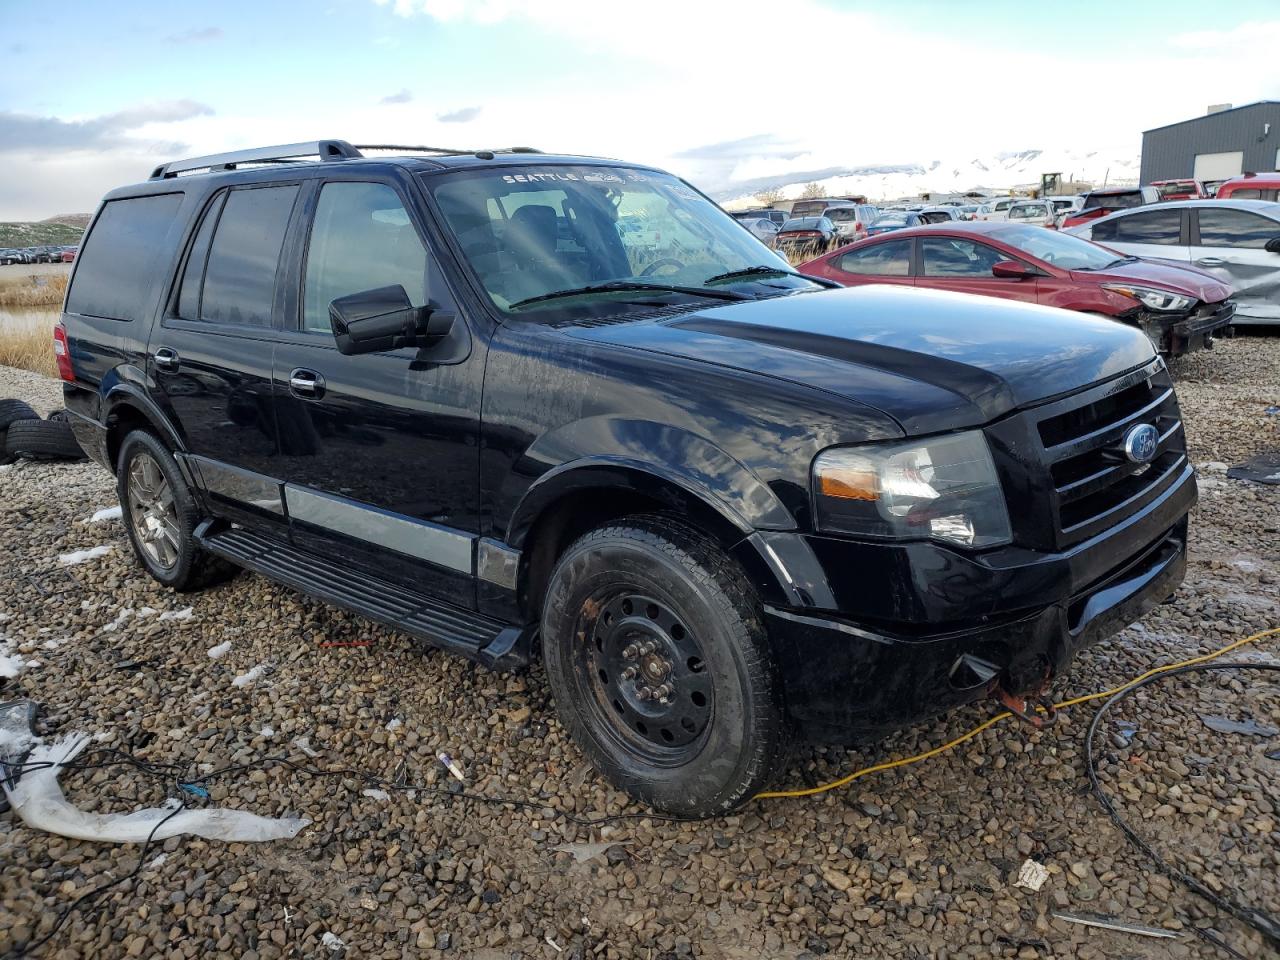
379 451
1160 233
964 265
210 356
888 261
1231 244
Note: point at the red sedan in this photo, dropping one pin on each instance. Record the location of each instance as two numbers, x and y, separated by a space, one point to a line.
1179 308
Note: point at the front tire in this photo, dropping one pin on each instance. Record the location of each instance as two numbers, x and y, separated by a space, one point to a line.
661 668
160 514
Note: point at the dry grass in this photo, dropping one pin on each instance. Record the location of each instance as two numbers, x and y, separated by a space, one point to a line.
30 348
32 290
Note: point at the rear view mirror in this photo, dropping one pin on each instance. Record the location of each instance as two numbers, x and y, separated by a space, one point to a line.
1273 245
1011 270
385 319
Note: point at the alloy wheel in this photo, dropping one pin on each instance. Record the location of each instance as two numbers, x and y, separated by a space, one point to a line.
153 511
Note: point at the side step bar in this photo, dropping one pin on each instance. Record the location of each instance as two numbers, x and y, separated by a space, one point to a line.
492 643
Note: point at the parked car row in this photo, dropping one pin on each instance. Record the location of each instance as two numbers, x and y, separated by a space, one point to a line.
1179 308
42 254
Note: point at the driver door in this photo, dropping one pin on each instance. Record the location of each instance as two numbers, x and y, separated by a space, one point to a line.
379 451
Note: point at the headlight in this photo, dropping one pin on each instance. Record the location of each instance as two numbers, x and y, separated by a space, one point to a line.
941 489
1152 299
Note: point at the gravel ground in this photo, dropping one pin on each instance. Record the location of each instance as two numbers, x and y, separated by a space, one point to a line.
918 862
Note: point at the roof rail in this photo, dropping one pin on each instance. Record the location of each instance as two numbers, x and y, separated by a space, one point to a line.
442 150
323 149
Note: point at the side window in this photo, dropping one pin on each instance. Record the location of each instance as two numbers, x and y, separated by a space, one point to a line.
1250 193
1236 228
361 240
193 272
240 278
947 257
889 259
119 257
1155 226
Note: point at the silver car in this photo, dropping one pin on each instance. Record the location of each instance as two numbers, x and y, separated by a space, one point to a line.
762 229
1236 240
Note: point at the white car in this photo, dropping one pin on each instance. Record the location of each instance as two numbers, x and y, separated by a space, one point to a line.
996 208
1064 207
1237 241
762 229
1036 212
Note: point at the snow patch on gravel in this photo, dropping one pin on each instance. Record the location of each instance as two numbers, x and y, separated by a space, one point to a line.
12 663
83 556
244 679
375 794
106 513
119 621
395 723
332 941
221 650
186 613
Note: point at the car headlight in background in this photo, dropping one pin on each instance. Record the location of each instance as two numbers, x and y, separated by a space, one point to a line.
941 489
1150 298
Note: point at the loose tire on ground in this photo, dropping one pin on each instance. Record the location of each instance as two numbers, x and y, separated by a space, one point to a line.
12 411
42 440
160 514
647 603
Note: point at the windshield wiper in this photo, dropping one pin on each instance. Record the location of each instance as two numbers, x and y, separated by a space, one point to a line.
623 285
766 271
760 270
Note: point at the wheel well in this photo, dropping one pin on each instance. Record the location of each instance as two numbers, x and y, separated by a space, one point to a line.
120 422
564 520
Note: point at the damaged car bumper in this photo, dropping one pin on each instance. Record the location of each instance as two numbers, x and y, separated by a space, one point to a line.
1176 334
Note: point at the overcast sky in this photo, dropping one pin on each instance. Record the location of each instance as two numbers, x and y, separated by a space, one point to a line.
717 90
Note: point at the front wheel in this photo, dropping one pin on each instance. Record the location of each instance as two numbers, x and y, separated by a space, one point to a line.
661 669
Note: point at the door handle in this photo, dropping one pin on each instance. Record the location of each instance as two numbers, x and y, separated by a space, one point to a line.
306 384
167 360
1210 262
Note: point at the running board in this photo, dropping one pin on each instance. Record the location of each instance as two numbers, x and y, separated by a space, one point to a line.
492 643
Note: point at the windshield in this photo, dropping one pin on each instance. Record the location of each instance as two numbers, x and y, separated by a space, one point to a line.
1171 187
1026 211
530 231
1060 249
804 223
841 214
1113 201
888 219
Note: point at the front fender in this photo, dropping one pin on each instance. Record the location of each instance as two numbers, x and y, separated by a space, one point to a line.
573 455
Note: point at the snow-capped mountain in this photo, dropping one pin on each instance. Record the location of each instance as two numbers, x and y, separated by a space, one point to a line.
1001 171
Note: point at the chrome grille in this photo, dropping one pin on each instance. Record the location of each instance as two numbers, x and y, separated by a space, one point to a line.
1095 485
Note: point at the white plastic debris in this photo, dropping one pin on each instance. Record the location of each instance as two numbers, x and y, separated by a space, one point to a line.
221 650
249 676
304 744
38 800
1031 876
375 794
106 513
83 556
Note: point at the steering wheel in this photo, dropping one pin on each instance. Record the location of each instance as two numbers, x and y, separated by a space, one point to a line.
657 265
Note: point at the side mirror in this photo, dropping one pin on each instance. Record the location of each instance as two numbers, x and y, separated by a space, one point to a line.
1273 245
1012 270
383 319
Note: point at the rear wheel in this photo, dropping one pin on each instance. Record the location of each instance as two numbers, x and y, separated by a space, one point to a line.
661 669
160 514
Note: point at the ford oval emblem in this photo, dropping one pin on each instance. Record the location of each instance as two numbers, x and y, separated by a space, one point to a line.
1140 443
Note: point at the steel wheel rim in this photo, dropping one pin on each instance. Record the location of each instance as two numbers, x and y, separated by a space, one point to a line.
645 676
153 513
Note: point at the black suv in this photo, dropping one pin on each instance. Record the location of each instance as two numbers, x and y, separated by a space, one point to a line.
518 405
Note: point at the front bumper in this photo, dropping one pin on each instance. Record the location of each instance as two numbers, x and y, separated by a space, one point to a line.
847 678
1175 335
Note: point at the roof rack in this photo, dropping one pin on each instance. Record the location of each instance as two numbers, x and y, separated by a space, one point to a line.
442 150
289 152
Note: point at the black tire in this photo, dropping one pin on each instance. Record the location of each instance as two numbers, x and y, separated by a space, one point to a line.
42 440
192 568
680 754
12 411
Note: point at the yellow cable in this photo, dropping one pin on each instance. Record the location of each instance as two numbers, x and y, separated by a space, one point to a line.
991 722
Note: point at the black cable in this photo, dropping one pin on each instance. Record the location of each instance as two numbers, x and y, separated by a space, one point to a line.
1265 924
93 895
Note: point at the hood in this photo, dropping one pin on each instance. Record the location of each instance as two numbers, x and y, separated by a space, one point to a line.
1167 275
931 359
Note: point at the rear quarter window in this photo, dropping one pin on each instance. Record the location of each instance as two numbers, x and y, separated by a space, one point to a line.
117 261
